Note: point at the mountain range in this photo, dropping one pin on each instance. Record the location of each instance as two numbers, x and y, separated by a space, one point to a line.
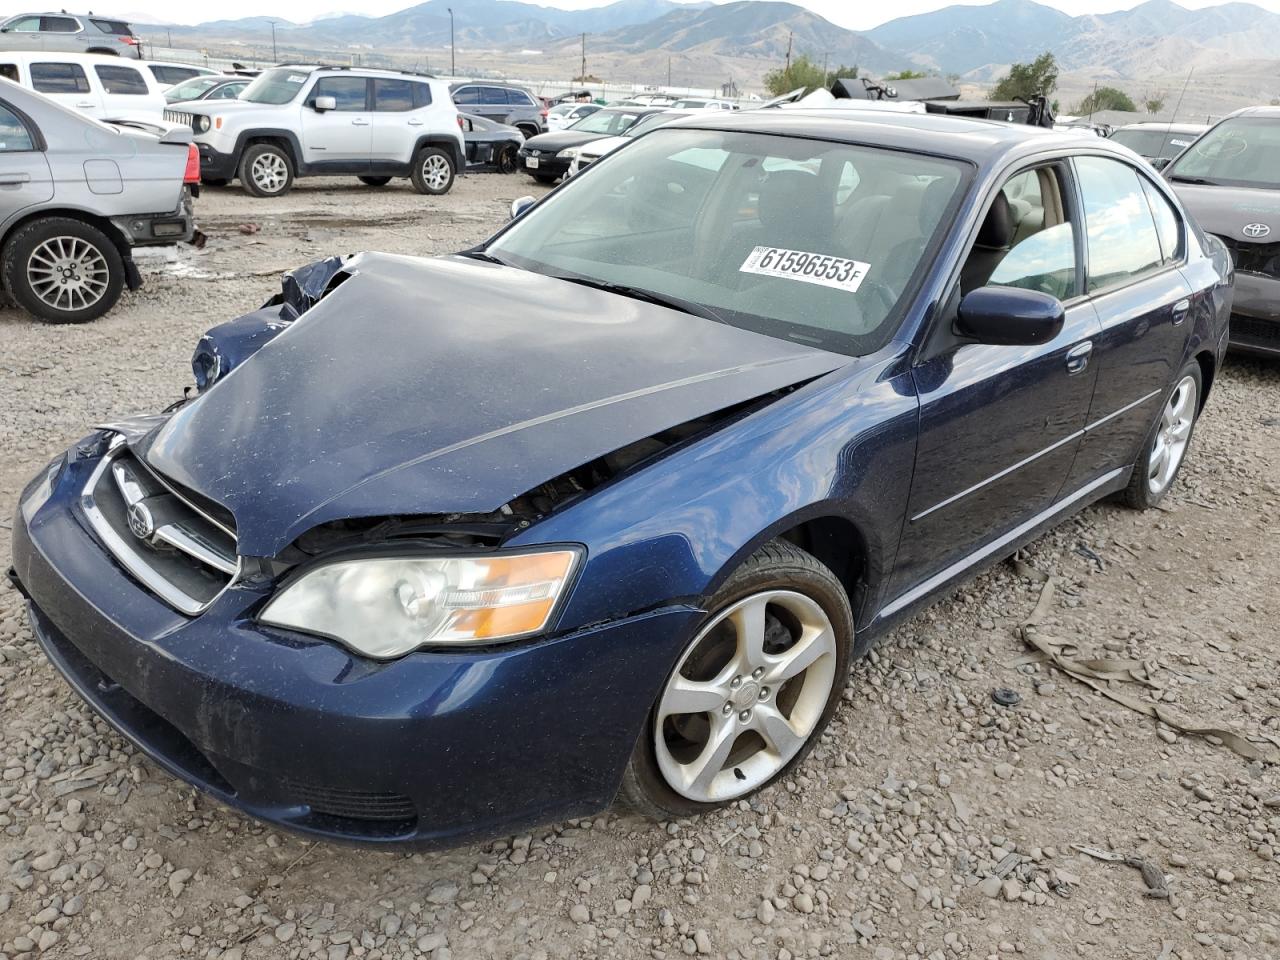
974 42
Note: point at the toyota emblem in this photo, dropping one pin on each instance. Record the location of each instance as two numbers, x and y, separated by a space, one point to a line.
141 523
1255 231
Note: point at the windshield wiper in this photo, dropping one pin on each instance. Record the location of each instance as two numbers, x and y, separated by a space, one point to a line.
482 255
1178 178
649 296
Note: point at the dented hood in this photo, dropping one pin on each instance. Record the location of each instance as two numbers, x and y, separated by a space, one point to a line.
451 386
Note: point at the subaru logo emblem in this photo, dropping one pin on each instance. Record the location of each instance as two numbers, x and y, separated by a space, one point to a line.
1255 231
141 523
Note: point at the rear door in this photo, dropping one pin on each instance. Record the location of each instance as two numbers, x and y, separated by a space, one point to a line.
400 115
61 33
1143 302
69 85
340 138
125 93
24 173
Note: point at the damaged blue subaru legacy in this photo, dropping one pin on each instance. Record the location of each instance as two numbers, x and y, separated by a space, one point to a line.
605 506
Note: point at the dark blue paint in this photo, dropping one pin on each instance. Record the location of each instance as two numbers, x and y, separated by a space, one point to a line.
424 387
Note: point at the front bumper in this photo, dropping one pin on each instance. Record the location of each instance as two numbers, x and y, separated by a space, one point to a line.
548 165
434 749
1255 314
215 165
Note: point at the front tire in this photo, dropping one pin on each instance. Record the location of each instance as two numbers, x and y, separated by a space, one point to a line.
508 159
752 691
433 171
1167 443
62 270
266 170
374 181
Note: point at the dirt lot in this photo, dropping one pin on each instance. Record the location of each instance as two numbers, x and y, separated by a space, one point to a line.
930 822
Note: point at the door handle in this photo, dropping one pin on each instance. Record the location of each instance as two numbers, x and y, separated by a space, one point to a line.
1180 310
14 179
86 103
359 122
1078 357
415 123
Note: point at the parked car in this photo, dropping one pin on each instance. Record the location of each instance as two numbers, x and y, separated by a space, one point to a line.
1158 143
503 103
1229 179
168 74
546 158
491 144
217 87
303 121
703 104
774 382
593 150
71 33
76 196
567 114
106 88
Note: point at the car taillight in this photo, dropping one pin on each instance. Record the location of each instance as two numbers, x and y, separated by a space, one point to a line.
544 112
131 41
192 173
461 125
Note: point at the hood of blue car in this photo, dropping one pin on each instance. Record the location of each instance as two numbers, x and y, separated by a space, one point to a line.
1228 211
451 386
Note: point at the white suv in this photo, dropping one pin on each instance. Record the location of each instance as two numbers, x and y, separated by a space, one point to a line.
299 121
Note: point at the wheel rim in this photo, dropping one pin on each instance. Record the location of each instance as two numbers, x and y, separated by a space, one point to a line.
68 273
435 171
1172 435
269 172
746 696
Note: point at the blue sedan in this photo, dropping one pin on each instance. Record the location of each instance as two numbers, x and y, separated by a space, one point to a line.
606 506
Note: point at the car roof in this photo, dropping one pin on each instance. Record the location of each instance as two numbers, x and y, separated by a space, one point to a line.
965 138
487 83
13 56
341 68
1169 127
1266 113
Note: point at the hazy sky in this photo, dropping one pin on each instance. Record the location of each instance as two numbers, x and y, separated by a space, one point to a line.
855 14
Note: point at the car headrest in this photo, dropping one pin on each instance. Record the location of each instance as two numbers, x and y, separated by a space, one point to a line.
793 204
997 229
933 203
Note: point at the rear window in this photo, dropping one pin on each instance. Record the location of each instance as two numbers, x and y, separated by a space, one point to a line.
59 25
392 95
172 75
14 135
59 78
118 27
421 95
122 80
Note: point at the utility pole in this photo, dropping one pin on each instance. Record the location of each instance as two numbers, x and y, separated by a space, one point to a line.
668 71
453 59
274 56
825 54
788 69
582 74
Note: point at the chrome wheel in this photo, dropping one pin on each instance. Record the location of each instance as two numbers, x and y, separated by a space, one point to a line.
1172 435
746 696
435 171
68 273
270 172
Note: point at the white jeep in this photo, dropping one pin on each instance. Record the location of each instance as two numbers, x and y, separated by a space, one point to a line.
299 121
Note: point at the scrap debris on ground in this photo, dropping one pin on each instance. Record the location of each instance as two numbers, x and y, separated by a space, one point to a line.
930 821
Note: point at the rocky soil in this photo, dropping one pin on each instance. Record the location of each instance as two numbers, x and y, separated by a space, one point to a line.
930 822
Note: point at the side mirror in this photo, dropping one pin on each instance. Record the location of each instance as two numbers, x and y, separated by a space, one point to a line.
1010 316
322 104
1159 163
520 205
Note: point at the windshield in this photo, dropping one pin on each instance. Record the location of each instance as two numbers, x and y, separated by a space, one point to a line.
1241 152
653 120
275 86
190 89
806 240
612 122
1153 141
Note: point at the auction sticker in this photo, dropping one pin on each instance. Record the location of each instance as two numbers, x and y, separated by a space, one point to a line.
807 267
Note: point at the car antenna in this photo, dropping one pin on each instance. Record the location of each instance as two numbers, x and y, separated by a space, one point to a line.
1177 106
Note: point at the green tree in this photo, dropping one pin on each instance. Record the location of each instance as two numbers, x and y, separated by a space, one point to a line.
1107 98
906 75
803 72
1154 105
850 73
1026 80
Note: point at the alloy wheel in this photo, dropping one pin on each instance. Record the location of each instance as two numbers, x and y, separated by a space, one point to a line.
1172 435
269 172
68 273
435 171
746 696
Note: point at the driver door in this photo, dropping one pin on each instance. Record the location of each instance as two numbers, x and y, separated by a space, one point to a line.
1000 425
342 138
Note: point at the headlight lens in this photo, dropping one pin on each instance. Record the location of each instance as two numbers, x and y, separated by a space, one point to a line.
203 124
41 489
385 607
568 154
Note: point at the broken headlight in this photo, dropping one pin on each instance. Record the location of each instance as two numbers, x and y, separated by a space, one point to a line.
388 606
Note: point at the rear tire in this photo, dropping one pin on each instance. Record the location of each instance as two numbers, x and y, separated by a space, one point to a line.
266 170
433 171
544 178
1166 448
62 270
104 51
374 181
768 703
508 159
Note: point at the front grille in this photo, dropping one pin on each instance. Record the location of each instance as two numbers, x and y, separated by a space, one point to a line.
1262 258
173 547
180 118
352 804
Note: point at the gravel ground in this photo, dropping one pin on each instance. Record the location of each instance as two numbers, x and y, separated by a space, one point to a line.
929 822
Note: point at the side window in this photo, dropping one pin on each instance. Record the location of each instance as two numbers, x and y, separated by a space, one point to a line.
1026 239
467 95
9 71
421 95
172 75
392 95
1168 224
1121 234
25 25
493 95
228 91
520 98
351 93
59 25
59 78
121 80
14 135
